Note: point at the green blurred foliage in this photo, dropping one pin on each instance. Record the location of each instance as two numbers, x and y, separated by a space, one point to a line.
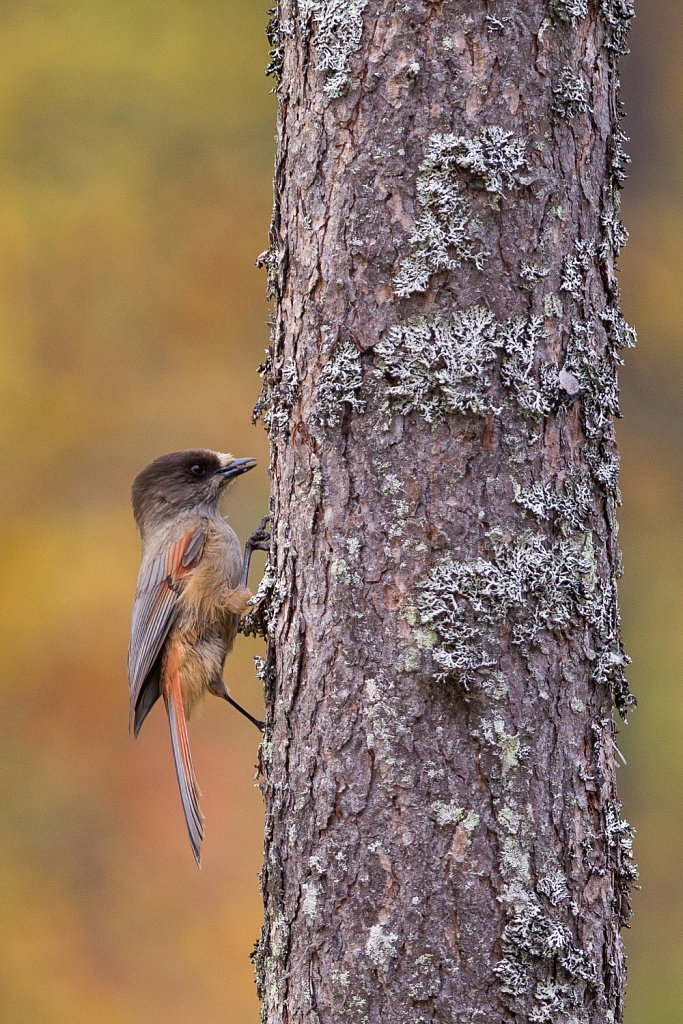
136 149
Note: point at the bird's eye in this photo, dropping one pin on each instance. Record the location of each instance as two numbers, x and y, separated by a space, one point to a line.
197 469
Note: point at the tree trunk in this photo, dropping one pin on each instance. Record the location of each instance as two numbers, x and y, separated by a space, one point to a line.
444 840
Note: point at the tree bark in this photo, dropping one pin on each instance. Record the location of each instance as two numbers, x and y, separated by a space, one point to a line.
443 837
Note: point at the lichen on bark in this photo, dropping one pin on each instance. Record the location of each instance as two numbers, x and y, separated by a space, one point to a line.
443 839
338 25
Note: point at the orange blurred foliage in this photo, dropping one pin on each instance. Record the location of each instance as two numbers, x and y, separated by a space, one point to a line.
135 194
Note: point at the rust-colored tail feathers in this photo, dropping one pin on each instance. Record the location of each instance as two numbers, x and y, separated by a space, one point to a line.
187 782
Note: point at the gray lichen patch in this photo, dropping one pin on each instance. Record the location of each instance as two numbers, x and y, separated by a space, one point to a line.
576 266
552 306
571 94
619 837
619 159
279 393
570 11
596 377
344 573
381 947
614 233
528 585
531 274
618 15
540 957
275 31
450 814
309 899
494 24
445 235
264 605
511 754
554 887
620 334
495 158
387 722
338 386
590 372
569 505
338 30
609 660
439 365
533 385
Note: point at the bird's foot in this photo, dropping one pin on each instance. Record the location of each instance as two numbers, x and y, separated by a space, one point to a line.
260 538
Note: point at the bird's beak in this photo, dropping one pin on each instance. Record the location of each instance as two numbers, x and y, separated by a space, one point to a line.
236 467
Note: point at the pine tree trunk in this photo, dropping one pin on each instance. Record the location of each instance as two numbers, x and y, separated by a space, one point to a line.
444 840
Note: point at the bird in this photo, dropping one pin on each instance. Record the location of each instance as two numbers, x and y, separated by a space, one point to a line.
190 594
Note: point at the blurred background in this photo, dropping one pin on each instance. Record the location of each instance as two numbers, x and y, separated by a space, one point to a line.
136 148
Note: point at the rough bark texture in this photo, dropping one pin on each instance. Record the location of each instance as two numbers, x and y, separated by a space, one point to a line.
444 839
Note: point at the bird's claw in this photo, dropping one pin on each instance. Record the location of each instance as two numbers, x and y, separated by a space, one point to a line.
260 538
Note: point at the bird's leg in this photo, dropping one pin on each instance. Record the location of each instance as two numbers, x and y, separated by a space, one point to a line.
259 541
238 707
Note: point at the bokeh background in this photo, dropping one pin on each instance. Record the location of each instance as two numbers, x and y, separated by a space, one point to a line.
136 147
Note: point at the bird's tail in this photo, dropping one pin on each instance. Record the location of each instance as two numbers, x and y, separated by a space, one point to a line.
187 783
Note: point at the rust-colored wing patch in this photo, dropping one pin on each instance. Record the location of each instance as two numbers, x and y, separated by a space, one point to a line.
160 583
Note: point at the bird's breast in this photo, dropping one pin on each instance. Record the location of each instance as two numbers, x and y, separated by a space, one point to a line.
206 594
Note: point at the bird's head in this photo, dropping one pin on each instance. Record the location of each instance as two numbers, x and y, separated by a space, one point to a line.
182 482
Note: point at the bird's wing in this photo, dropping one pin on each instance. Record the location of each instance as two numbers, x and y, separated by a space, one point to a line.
160 583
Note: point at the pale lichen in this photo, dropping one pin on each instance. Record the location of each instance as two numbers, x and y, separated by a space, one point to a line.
338 30
511 753
533 385
344 573
531 274
528 586
540 956
444 236
576 265
619 836
609 660
571 94
568 505
265 605
447 813
381 947
614 233
596 375
495 158
494 24
439 365
309 901
617 157
570 11
338 386
552 306
279 393
450 814
620 334
617 15
554 887
275 32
